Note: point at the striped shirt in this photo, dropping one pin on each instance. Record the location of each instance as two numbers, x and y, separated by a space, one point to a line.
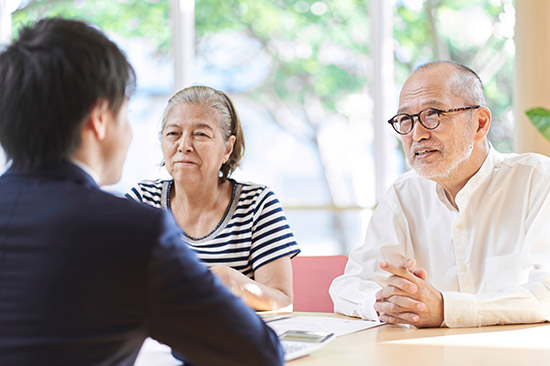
252 232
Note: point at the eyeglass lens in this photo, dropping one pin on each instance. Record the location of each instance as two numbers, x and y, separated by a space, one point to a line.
403 123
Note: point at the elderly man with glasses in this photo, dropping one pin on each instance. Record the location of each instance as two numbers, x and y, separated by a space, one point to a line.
463 239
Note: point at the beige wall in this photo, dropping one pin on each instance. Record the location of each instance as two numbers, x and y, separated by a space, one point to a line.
532 71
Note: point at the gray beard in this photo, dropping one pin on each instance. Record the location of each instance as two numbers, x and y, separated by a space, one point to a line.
444 172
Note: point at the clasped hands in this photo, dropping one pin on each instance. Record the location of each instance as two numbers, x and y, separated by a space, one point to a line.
408 298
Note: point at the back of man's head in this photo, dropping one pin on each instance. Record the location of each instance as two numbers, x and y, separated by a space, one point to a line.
51 76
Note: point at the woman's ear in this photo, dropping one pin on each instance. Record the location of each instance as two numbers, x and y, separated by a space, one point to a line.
229 147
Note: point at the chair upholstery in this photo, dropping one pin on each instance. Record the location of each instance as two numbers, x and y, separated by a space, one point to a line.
312 277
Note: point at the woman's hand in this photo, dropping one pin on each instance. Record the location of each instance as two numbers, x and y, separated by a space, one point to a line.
271 289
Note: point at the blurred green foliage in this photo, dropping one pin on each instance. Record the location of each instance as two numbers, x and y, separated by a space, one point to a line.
478 34
298 35
127 18
540 117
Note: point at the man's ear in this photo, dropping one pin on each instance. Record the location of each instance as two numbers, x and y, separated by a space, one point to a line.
99 118
483 119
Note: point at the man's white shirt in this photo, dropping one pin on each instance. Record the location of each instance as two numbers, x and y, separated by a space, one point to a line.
490 258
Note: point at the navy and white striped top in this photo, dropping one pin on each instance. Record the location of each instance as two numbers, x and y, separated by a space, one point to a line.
253 231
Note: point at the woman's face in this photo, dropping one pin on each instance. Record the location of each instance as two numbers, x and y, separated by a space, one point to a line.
193 145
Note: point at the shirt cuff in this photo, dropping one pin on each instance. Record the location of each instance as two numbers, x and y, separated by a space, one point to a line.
366 308
460 310
361 307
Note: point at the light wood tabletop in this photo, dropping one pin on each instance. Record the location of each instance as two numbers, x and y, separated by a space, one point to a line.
390 345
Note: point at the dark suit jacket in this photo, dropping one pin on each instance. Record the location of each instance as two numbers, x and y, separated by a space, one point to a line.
86 276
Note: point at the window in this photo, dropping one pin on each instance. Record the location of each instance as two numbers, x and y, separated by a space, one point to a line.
301 74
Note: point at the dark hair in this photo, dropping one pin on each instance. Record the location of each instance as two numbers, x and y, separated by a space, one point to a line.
51 77
228 120
464 82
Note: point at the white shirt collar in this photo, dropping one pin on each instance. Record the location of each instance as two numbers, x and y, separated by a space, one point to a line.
473 183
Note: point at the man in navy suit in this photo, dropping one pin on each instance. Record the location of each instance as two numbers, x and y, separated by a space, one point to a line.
86 276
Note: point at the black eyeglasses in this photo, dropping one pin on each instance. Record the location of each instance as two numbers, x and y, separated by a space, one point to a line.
430 118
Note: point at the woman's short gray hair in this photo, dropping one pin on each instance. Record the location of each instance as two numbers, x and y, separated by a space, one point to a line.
228 120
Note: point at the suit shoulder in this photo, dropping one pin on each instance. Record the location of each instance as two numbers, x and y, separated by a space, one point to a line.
125 204
124 213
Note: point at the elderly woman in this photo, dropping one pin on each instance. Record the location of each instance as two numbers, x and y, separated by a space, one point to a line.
237 229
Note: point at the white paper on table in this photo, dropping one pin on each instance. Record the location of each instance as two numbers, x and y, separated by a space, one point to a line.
321 324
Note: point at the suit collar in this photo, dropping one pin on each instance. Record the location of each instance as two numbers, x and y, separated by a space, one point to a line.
87 170
65 170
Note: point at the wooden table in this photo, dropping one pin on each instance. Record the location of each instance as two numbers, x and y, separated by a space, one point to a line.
390 345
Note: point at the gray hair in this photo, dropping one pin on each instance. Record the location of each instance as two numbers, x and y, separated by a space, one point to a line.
464 82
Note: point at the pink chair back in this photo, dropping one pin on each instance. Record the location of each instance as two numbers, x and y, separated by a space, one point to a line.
312 277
